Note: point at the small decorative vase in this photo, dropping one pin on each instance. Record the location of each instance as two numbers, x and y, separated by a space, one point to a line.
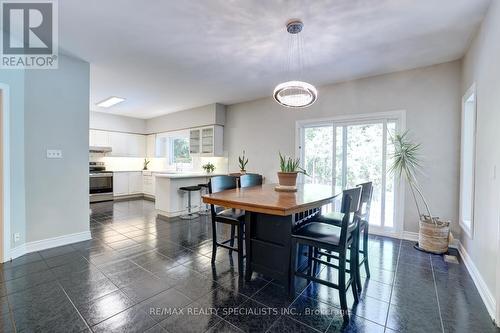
243 172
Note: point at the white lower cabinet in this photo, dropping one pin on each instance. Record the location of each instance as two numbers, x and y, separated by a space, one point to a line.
148 184
120 183
135 182
127 183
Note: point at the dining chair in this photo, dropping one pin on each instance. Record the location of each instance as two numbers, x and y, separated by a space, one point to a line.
332 238
250 179
233 217
361 206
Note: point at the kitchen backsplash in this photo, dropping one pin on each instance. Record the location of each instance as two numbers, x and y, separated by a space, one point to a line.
159 164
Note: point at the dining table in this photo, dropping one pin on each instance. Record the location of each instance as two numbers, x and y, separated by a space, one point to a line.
271 216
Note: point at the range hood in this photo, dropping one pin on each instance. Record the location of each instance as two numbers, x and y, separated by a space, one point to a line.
99 149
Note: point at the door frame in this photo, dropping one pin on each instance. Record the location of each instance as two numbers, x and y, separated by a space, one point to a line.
5 172
400 115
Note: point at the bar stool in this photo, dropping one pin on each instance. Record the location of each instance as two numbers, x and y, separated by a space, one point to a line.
190 215
205 210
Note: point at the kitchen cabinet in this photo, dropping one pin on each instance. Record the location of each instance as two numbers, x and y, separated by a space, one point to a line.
135 182
99 138
151 146
120 183
127 145
206 141
148 183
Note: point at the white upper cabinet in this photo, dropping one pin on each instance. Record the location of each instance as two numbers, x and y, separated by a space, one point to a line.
206 141
151 146
127 145
99 138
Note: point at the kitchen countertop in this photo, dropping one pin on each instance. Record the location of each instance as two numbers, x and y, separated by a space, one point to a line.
187 175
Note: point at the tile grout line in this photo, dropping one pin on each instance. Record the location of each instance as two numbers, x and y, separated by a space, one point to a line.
437 295
392 287
66 294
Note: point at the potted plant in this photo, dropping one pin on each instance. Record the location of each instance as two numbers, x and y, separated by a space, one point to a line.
287 176
209 167
434 233
146 162
243 161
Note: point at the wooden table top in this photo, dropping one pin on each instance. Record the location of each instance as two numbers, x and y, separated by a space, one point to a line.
264 199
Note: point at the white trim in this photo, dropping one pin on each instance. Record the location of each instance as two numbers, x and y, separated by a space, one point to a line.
6 170
468 228
49 243
486 295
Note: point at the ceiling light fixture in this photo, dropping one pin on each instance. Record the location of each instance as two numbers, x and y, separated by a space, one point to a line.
295 94
109 102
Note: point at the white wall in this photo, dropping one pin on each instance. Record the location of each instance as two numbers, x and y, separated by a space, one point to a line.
111 122
56 116
213 114
482 65
429 95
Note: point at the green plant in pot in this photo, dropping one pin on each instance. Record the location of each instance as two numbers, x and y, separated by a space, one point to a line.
242 162
146 162
209 167
434 233
289 169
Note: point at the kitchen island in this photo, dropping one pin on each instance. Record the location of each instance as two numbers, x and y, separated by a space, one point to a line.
170 201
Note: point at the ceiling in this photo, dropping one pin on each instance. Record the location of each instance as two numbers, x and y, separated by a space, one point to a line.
166 56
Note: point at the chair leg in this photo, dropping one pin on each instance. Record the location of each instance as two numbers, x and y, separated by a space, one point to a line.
214 240
315 264
365 250
354 268
309 260
293 265
231 243
342 290
240 249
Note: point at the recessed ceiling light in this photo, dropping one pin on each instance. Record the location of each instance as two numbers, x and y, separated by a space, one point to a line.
109 102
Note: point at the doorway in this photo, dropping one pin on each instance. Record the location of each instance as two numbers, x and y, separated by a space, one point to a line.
346 151
4 174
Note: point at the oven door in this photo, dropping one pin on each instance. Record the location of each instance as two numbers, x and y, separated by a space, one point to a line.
101 183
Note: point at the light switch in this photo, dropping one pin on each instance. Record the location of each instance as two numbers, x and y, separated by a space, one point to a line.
54 153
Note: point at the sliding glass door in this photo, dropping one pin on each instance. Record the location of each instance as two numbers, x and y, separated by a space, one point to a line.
345 153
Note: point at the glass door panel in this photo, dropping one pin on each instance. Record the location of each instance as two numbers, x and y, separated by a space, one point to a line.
318 154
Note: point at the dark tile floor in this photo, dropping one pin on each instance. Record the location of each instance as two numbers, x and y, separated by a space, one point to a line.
142 274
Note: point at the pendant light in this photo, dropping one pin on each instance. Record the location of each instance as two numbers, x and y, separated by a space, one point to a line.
295 94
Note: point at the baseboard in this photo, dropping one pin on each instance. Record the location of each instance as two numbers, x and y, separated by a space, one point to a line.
486 295
49 243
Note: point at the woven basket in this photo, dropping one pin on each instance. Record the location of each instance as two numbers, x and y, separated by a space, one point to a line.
434 237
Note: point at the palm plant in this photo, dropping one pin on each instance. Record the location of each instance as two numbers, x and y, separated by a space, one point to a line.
288 164
406 164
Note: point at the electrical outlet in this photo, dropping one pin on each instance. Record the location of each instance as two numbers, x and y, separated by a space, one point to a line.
17 237
54 153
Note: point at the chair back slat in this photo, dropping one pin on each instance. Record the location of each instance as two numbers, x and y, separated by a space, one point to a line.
366 199
221 183
354 203
250 179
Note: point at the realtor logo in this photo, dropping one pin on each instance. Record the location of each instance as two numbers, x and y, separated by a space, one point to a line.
29 34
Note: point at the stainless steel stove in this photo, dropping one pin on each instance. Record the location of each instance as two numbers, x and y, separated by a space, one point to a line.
101 182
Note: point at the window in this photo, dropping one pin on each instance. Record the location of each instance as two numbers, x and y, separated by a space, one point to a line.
179 150
346 151
467 160
174 146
